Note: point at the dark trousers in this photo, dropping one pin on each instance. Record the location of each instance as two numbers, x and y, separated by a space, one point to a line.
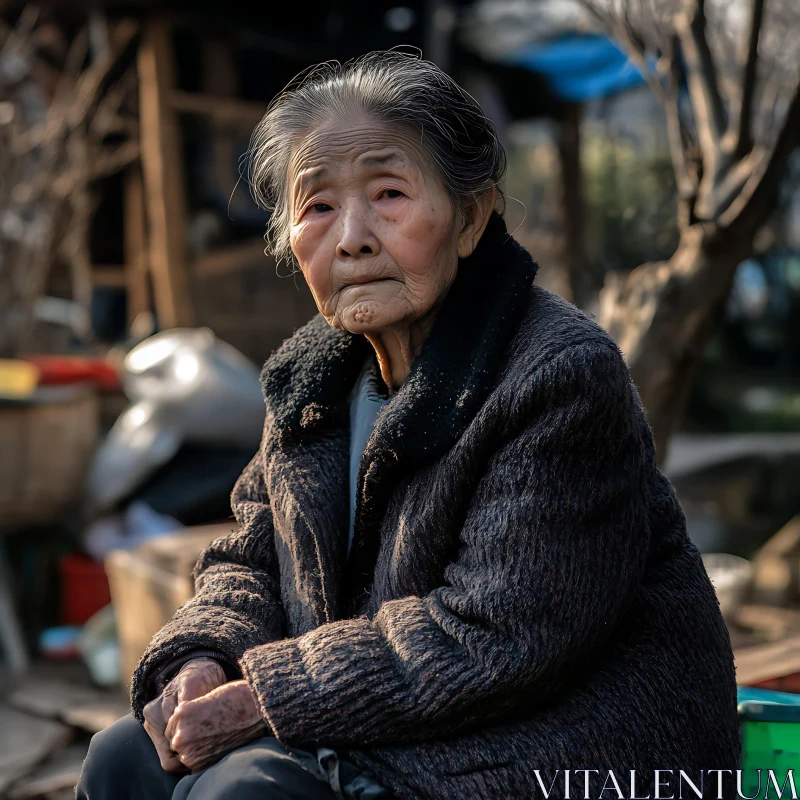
122 765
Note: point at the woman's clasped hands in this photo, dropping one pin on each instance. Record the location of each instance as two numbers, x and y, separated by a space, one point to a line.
199 718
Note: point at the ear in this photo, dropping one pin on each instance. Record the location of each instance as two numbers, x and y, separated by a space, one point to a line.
476 216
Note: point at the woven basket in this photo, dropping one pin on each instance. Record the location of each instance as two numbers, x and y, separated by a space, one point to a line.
46 445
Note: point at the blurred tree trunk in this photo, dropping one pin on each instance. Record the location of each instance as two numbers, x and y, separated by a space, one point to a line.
662 315
728 173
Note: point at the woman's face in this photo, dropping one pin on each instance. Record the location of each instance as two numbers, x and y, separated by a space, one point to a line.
372 227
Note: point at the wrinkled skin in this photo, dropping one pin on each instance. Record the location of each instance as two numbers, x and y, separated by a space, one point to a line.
376 234
195 679
202 731
378 239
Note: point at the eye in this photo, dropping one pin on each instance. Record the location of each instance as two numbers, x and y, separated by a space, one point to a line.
321 208
393 194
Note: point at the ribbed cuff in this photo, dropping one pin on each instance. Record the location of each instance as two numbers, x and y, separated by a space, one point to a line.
278 680
174 667
208 628
331 685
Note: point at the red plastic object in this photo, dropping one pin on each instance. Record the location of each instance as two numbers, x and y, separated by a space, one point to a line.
60 370
84 588
787 683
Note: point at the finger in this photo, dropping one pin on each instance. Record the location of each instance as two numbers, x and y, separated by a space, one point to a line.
169 703
204 752
169 761
154 722
153 713
188 727
194 761
173 723
174 765
188 717
183 724
202 756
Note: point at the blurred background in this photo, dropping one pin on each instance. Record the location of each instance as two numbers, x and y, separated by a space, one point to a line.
653 173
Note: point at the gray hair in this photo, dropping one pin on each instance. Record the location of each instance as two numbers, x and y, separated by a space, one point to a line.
392 86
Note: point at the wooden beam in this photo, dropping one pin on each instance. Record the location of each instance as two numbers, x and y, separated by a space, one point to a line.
768 661
231 258
162 165
242 115
219 78
137 278
109 276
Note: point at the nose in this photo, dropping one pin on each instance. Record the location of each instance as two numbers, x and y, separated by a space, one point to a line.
356 239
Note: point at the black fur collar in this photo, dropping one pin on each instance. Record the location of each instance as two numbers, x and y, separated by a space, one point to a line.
307 382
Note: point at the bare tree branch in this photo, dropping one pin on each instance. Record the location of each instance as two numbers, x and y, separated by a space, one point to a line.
749 63
763 184
73 64
621 26
50 156
75 100
731 183
771 94
687 186
662 314
664 83
709 110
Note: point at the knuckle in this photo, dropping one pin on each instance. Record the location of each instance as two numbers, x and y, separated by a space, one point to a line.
177 742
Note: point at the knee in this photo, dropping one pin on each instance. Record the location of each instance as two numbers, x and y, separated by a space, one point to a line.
243 772
113 753
263 770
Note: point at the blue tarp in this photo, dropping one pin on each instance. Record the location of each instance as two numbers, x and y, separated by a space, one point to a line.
580 67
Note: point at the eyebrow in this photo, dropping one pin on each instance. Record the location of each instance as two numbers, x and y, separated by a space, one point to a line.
310 179
374 161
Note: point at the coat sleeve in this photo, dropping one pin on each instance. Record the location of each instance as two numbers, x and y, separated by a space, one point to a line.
237 600
553 549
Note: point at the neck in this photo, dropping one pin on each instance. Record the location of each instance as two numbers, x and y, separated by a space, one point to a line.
398 346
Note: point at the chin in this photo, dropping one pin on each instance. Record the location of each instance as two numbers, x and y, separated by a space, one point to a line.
369 316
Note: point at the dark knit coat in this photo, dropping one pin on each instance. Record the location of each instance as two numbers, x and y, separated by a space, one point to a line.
521 593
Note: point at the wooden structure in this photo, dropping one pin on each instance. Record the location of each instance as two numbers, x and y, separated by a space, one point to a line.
234 289
150 583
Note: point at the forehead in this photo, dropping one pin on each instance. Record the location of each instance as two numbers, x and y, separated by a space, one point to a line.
355 144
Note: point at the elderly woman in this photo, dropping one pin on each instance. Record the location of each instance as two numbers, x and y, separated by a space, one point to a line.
459 572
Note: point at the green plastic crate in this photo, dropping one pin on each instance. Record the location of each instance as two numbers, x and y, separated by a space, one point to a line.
770 738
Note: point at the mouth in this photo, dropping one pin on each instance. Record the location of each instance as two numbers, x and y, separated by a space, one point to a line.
360 280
